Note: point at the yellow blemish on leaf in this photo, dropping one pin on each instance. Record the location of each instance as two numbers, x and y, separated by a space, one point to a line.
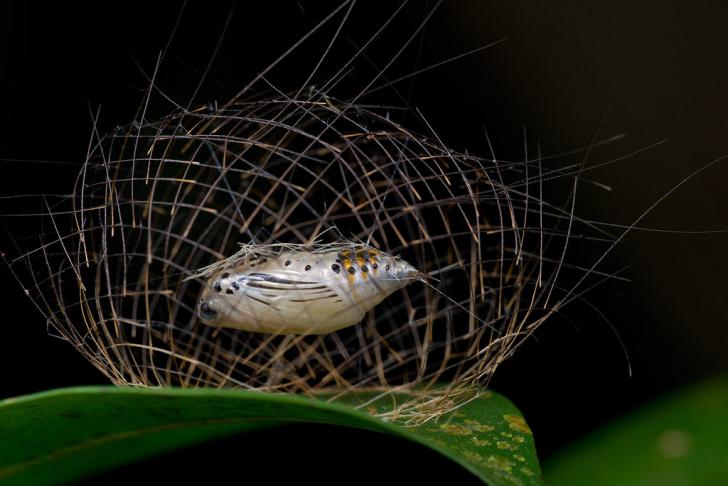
674 444
455 429
500 463
472 456
519 457
527 472
517 423
520 439
501 444
478 427
480 442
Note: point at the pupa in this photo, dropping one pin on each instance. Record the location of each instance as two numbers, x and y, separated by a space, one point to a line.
297 289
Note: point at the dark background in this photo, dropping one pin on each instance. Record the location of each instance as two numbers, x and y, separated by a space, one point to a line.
662 68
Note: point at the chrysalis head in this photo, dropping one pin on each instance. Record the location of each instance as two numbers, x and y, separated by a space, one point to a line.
207 312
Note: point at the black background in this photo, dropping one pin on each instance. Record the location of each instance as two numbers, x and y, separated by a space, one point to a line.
661 67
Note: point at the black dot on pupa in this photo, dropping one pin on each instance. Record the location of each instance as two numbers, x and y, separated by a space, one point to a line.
352 270
307 268
229 291
375 266
235 285
216 287
364 268
288 262
386 267
336 268
225 275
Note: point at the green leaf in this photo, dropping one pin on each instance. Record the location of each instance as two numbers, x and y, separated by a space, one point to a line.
678 440
64 435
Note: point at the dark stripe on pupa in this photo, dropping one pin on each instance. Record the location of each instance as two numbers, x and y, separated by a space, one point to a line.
267 277
261 301
315 298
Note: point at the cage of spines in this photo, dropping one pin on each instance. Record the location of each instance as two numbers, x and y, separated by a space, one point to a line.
157 200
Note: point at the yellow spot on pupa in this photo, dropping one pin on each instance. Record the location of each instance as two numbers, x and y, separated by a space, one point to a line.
362 264
455 429
347 263
517 423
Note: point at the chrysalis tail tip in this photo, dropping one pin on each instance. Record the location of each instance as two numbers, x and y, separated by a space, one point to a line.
425 278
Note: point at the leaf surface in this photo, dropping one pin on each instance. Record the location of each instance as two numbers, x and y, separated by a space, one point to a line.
68 434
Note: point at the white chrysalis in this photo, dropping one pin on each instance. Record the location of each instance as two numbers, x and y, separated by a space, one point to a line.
292 289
